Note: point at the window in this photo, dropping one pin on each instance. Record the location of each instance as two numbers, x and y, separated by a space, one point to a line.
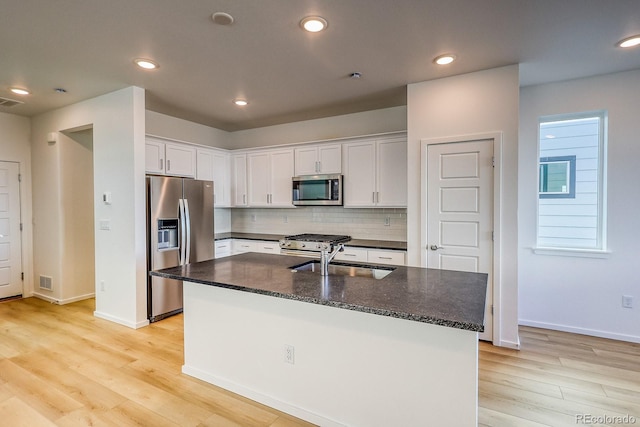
557 177
571 208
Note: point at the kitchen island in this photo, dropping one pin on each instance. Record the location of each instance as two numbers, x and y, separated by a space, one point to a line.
336 350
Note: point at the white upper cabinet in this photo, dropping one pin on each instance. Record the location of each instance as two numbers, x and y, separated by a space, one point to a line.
221 180
239 180
154 156
318 159
164 158
214 165
375 173
269 178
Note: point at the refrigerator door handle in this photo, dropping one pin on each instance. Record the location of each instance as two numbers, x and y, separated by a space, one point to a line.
187 258
183 234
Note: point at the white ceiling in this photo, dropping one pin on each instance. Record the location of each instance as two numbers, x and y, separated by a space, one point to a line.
87 47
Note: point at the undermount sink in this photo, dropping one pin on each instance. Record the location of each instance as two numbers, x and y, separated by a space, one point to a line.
343 269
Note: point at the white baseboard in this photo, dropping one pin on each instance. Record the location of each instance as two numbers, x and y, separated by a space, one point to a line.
508 344
62 301
581 331
261 398
120 321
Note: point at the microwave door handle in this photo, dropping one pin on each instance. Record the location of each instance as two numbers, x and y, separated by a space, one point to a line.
187 258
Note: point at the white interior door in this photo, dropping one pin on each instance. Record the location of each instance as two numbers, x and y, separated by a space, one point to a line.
10 241
460 211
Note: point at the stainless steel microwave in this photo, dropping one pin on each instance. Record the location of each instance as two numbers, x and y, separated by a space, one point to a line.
310 190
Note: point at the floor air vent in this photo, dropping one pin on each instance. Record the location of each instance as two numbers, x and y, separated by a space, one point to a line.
45 283
6 102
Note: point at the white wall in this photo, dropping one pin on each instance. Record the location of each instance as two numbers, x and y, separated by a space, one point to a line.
481 102
584 295
15 132
118 122
182 130
366 123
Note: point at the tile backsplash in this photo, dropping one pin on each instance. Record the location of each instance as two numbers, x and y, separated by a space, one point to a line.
382 224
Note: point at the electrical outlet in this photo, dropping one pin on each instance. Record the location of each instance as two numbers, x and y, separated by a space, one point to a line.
253 217
102 285
285 219
105 224
627 301
387 221
289 354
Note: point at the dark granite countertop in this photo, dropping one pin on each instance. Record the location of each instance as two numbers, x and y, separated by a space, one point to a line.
443 297
362 243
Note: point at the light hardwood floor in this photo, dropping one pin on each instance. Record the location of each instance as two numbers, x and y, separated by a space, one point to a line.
61 366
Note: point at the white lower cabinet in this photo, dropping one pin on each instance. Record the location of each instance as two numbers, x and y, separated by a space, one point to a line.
386 257
222 248
377 256
239 246
352 254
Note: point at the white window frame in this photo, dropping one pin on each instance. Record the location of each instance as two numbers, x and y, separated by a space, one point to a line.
601 251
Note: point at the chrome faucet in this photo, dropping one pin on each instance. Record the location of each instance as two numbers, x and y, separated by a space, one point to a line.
326 257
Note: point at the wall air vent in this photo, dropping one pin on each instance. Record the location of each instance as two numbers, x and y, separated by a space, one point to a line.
45 283
6 102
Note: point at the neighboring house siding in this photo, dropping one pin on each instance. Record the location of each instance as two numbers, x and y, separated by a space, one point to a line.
571 222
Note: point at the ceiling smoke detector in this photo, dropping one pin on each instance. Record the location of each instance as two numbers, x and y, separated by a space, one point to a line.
222 18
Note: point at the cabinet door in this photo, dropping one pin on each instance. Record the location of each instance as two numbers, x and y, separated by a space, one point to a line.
222 248
154 157
221 175
330 158
306 161
267 247
359 174
180 160
242 246
281 172
392 173
258 179
204 165
239 180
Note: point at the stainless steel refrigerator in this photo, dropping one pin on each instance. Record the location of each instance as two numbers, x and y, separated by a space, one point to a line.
179 232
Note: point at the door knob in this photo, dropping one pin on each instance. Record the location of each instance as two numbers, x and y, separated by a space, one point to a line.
435 247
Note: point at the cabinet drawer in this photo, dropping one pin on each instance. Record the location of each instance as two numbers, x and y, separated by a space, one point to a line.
352 254
267 247
386 257
222 248
240 246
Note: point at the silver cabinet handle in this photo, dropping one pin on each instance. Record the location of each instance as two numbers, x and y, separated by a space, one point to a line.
244 199
373 197
385 257
160 164
168 165
435 247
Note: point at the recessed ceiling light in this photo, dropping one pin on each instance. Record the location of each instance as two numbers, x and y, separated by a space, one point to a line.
629 41
355 75
147 64
314 24
240 102
19 91
445 59
222 18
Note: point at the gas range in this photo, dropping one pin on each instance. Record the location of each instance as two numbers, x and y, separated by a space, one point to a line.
312 242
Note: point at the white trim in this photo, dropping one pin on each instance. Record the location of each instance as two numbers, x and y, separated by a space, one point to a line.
63 301
581 331
120 321
572 252
497 138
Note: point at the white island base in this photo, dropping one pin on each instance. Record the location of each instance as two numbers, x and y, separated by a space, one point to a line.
350 368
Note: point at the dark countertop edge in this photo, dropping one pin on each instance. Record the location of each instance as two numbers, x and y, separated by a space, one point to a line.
388 313
392 245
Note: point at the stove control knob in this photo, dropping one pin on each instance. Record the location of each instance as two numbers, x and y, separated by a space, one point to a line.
304 245
319 246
